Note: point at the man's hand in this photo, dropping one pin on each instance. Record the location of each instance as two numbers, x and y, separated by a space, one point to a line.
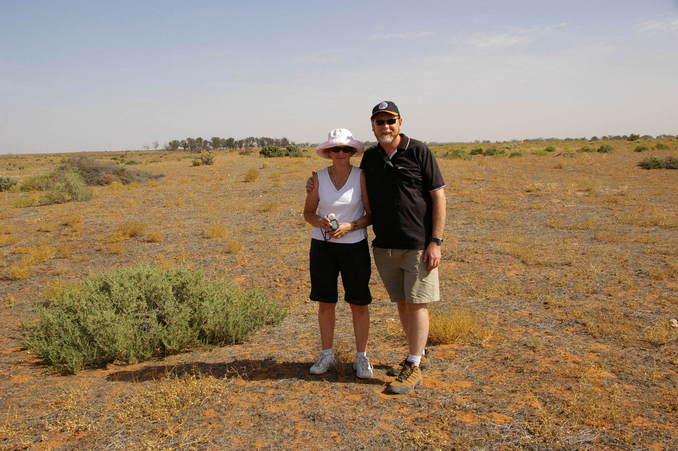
310 182
432 256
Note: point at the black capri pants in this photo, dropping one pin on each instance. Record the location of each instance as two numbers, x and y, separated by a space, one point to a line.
352 260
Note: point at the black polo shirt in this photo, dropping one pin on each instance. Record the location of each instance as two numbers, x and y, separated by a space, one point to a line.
399 193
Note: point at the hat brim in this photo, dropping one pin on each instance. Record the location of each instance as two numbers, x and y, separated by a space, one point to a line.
321 150
385 111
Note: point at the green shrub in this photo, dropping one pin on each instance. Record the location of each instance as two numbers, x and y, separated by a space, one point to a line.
96 172
65 186
132 162
493 152
658 163
586 149
640 149
457 154
515 154
477 151
132 314
550 149
605 148
661 146
6 183
291 150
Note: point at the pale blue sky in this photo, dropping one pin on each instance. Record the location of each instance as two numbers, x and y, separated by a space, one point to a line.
93 75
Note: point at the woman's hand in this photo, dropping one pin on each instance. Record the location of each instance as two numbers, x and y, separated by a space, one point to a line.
344 228
325 224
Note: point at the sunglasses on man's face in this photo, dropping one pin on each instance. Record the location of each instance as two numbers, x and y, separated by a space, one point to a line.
390 121
342 149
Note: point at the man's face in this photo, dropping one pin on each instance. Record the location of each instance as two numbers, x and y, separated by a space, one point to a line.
383 131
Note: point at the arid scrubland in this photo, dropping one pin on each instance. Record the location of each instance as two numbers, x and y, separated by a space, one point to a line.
559 327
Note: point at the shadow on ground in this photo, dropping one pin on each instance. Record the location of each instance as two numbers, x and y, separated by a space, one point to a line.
247 369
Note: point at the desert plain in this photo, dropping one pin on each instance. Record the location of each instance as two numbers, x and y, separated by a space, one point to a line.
562 265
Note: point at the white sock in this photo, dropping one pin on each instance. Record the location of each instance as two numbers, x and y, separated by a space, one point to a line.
360 354
423 353
414 359
327 352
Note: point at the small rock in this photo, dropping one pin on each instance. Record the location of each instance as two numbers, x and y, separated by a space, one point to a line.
674 322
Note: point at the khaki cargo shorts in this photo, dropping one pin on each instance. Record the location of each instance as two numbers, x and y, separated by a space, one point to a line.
405 276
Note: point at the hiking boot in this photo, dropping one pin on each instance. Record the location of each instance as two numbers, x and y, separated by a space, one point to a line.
362 367
324 363
409 378
424 364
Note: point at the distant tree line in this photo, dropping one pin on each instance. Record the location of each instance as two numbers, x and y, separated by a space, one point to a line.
631 137
200 144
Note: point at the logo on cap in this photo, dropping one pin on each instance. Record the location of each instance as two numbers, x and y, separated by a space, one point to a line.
383 105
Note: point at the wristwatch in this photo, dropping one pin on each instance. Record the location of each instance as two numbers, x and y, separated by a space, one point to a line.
438 241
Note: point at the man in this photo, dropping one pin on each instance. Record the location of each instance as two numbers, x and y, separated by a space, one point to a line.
406 192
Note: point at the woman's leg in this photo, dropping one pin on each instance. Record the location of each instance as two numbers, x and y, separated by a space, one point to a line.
326 320
361 325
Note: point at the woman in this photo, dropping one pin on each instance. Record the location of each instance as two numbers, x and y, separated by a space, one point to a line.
340 246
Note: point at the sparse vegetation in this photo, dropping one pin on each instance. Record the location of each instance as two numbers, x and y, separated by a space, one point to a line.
658 163
290 150
455 326
132 314
251 175
7 183
205 158
95 172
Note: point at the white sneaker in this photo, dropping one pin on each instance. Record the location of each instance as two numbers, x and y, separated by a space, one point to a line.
362 367
324 363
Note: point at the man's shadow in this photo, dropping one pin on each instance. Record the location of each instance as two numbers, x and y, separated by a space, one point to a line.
247 369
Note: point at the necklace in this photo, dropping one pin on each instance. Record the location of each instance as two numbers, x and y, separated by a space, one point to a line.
338 184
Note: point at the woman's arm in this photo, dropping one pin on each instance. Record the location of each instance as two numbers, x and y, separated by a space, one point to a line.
311 207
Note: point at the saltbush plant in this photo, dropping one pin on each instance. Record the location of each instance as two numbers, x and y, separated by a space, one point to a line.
457 154
640 149
6 183
550 149
605 148
477 151
60 186
131 314
658 163
96 172
204 159
291 150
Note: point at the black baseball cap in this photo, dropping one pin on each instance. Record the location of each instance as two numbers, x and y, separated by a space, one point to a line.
386 106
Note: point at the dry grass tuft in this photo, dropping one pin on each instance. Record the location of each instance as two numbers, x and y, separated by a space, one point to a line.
664 331
233 247
251 175
169 398
456 326
216 231
18 271
130 229
64 250
153 236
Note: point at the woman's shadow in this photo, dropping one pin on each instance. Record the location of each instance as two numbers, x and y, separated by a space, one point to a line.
247 369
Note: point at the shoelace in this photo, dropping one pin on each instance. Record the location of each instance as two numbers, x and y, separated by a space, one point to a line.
405 372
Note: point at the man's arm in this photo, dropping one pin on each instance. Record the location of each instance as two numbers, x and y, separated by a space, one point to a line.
433 252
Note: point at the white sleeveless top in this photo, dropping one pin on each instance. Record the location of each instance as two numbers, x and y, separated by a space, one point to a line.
346 203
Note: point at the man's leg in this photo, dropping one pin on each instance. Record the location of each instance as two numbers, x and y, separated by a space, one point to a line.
417 328
402 314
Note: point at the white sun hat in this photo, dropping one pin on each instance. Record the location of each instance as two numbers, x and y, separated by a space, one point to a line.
339 137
